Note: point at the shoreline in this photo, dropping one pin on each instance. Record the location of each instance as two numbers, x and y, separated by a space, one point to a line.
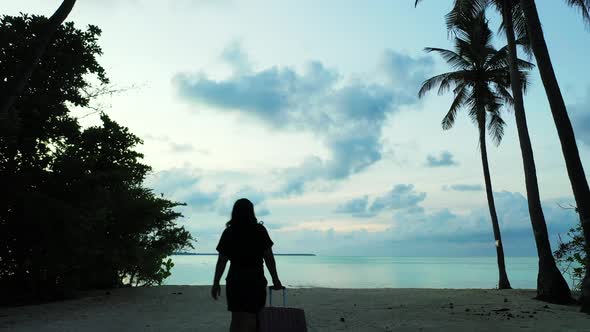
190 308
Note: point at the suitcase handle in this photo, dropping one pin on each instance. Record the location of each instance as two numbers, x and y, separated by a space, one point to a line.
270 296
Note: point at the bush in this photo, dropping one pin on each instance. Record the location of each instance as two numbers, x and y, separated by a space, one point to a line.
571 256
74 213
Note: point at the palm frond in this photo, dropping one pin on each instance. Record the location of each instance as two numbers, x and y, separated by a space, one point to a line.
474 105
500 76
518 24
524 79
474 39
460 97
455 60
438 80
481 80
496 127
520 27
583 6
498 59
463 9
524 65
445 85
504 94
525 45
460 87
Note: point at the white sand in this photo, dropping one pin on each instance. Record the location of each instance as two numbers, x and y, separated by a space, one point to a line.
159 309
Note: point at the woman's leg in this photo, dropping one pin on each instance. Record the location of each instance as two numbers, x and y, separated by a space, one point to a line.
232 324
243 322
235 322
250 322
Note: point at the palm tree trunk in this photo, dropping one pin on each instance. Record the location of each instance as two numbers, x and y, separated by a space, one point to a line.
18 84
503 282
551 286
565 131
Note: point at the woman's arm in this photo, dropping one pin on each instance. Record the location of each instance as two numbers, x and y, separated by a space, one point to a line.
219 268
269 260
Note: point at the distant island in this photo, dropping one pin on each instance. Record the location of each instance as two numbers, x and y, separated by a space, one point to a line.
215 254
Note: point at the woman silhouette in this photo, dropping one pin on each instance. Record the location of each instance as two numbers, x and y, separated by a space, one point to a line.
245 243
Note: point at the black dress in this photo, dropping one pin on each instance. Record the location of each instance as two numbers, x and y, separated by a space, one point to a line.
244 245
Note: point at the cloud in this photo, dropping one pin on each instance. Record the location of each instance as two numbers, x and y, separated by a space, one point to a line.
406 205
262 212
184 185
168 182
401 197
412 229
350 155
279 97
151 137
174 146
415 230
257 197
180 147
404 71
346 115
236 58
475 225
580 118
357 207
445 159
463 187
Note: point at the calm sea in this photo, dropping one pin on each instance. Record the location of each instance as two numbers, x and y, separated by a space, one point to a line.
373 272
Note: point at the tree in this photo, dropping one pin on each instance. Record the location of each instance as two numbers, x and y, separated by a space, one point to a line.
572 254
17 83
563 124
77 215
133 230
551 286
479 84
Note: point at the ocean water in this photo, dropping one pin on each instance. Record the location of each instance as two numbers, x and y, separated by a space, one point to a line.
373 272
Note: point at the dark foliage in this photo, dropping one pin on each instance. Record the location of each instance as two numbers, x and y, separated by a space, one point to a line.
74 213
571 255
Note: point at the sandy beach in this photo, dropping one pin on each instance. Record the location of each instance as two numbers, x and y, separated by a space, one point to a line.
189 308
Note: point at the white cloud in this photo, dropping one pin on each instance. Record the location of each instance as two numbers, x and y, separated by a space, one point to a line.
463 187
348 116
446 159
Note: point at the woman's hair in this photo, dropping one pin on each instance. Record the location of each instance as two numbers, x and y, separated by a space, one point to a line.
242 213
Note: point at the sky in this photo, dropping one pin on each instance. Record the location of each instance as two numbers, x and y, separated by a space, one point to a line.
310 110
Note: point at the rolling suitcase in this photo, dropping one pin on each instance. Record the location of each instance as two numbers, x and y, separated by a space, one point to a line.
281 319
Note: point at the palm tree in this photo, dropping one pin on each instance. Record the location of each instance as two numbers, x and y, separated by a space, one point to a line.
16 86
551 286
480 84
563 124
